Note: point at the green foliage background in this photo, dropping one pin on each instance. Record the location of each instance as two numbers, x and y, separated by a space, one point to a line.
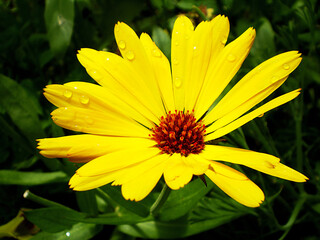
38 45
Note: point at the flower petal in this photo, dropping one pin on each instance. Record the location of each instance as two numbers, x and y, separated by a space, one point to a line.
135 56
223 69
177 173
182 34
208 41
114 73
87 95
236 185
85 147
141 185
253 114
272 72
100 123
259 161
162 71
118 160
198 164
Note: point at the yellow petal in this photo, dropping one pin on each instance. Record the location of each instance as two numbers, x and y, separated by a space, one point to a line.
83 183
177 173
182 35
141 185
223 70
198 164
161 69
141 168
208 41
243 108
135 56
83 148
118 160
253 114
114 73
100 123
259 161
87 95
272 72
236 185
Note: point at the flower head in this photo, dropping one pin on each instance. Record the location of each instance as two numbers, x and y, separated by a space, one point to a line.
148 118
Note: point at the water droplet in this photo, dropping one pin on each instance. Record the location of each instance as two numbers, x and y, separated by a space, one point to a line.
177 32
156 53
231 57
274 79
195 51
224 40
78 128
177 82
176 43
67 94
88 120
68 234
286 66
130 55
261 115
107 59
94 74
122 45
84 99
175 61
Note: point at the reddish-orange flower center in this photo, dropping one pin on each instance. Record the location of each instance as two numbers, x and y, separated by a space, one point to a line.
179 132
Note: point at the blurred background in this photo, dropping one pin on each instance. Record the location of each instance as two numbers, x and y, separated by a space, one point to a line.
38 45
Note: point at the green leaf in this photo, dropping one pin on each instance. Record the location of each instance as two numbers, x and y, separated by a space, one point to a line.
10 177
21 109
181 201
81 231
211 213
162 39
54 219
59 17
136 207
264 45
87 202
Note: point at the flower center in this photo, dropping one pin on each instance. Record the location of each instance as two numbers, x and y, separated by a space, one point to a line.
179 132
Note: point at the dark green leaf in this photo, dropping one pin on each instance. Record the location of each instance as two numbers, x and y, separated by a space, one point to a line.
81 231
54 219
59 16
135 207
16 101
10 177
162 40
181 201
87 202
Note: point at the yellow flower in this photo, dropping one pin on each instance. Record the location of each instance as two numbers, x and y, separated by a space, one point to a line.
147 119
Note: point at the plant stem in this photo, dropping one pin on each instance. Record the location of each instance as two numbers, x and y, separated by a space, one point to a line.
163 196
45 202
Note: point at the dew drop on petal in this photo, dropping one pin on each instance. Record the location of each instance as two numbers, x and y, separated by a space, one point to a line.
84 99
175 61
176 43
67 94
177 82
94 74
156 53
195 51
231 57
286 66
224 40
130 55
274 79
122 45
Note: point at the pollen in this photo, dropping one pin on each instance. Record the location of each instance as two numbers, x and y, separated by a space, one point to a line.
179 132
